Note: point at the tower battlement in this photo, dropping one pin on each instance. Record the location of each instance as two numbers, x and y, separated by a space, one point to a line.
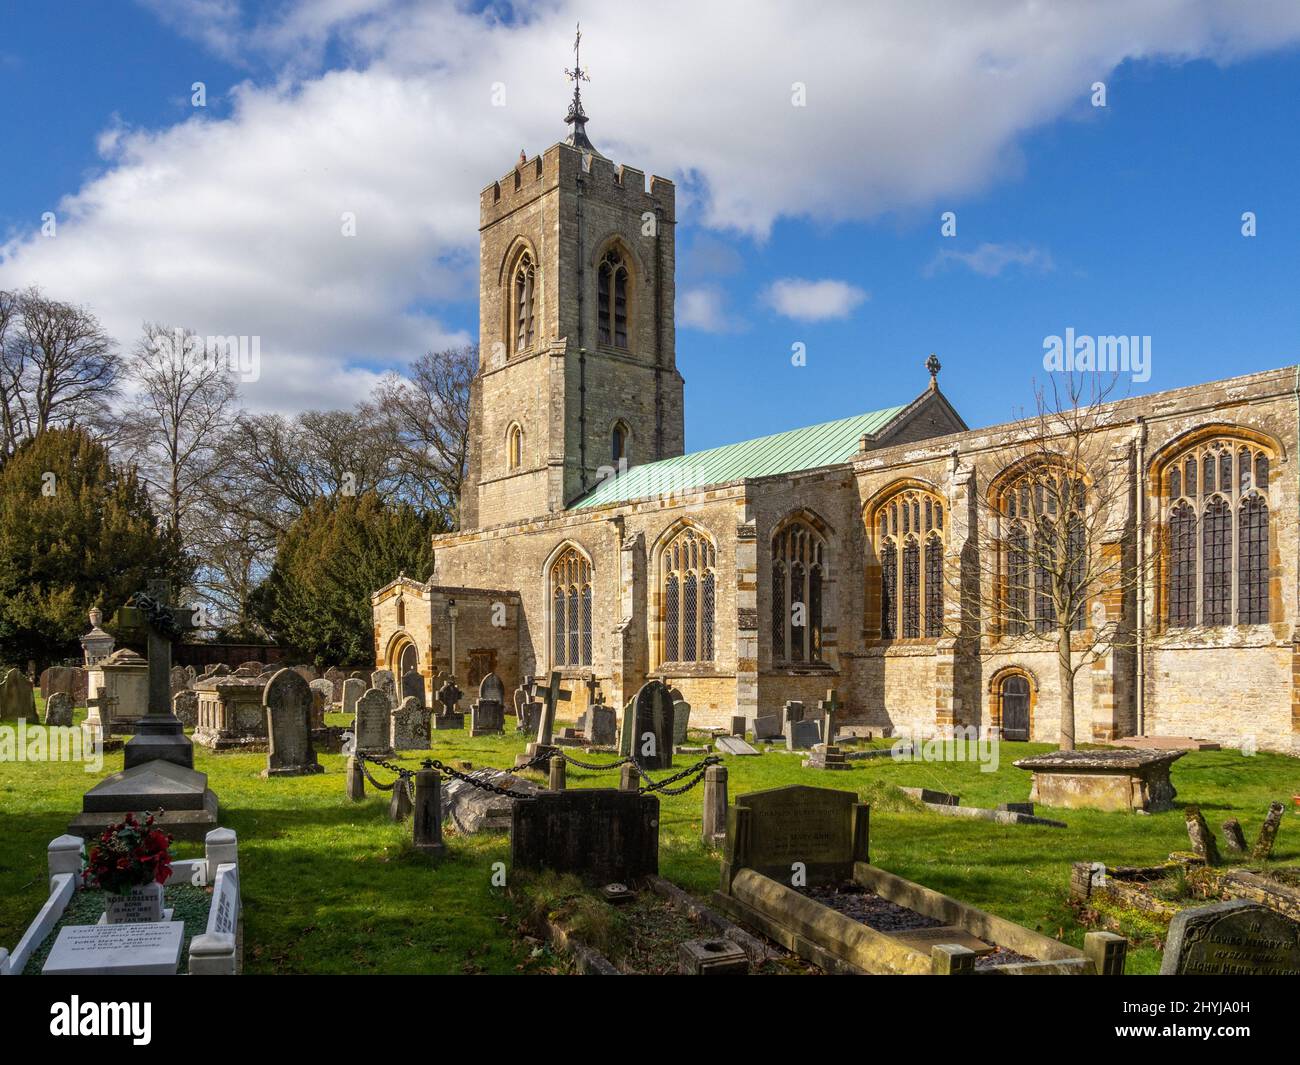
562 165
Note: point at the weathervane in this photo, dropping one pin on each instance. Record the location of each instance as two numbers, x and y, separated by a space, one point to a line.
577 117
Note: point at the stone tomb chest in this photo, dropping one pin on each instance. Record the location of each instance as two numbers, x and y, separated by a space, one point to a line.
1118 779
230 712
787 846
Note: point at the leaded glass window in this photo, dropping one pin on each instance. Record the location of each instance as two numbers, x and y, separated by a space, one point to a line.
689 566
571 634
1046 554
910 548
798 568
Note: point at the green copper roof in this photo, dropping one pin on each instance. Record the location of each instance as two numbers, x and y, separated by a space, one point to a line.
765 456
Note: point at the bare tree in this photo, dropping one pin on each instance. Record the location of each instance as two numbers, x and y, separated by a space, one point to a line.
181 409
1062 567
57 365
427 418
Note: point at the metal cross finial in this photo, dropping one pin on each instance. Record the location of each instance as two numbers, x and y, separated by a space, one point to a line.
577 117
577 74
932 364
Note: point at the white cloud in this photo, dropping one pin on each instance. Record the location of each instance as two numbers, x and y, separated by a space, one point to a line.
232 225
813 301
704 308
990 259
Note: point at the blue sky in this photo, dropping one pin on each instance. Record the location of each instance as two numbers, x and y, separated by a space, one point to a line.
1117 220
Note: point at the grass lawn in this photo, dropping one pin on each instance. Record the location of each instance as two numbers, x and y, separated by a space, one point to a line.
331 886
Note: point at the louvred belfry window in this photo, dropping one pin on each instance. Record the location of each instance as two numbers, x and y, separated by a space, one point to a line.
571 638
611 300
910 545
525 284
689 582
1217 562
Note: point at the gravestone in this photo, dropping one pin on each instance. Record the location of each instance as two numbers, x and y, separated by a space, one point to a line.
288 699
530 715
767 727
308 673
71 680
325 690
58 710
823 828
413 687
601 835
791 711
449 697
384 681
143 949
185 705
1237 938
17 699
523 695
602 725
372 727
409 729
336 677
543 744
801 735
681 721
353 689
488 715
179 679
733 745
738 722
356 674
652 727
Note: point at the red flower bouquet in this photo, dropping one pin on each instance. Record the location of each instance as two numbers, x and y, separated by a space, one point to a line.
129 855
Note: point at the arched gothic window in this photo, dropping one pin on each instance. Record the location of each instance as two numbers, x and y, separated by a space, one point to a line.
570 583
524 298
798 573
1044 563
514 447
910 546
689 582
618 442
1218 537
611 300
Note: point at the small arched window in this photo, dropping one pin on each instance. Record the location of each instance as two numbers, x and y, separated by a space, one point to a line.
688 581
524 302
514 447
1218 535
910 545
618 443
611 300
570 583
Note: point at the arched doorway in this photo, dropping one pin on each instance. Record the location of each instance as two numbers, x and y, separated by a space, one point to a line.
1014 698
407 660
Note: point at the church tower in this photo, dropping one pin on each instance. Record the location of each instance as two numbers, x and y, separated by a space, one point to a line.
577 365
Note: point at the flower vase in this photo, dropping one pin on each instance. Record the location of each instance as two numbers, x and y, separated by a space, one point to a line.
142 903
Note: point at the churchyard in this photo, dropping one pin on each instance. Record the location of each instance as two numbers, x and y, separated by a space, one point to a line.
331 885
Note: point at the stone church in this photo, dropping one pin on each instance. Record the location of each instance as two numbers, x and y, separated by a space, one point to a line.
776 568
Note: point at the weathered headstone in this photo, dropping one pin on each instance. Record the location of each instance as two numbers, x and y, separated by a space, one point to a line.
336 677
288 699
384 681
409 729
185 705
791 711
801 735
17 699
652 736
413 686
681 721
530 715
767 727
179 679
488 715
325 693
307 672
1237 938
738 722
523 695
733 745
373 710
353 689
598 834
825 830
602 725
69 679
58 710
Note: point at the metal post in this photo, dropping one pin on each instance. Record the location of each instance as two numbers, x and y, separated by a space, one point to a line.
356 782
715 804
428 810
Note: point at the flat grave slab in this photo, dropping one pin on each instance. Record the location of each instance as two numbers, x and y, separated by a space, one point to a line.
151 948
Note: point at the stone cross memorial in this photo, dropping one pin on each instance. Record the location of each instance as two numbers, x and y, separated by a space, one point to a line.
449 697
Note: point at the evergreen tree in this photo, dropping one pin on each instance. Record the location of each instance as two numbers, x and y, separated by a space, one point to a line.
317 597
76 531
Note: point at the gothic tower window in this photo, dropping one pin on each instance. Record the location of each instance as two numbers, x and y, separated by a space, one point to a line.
1216 569
524 302
611 300
1044 542
514 447
570 584
910 546
689 585
798 570
618 442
